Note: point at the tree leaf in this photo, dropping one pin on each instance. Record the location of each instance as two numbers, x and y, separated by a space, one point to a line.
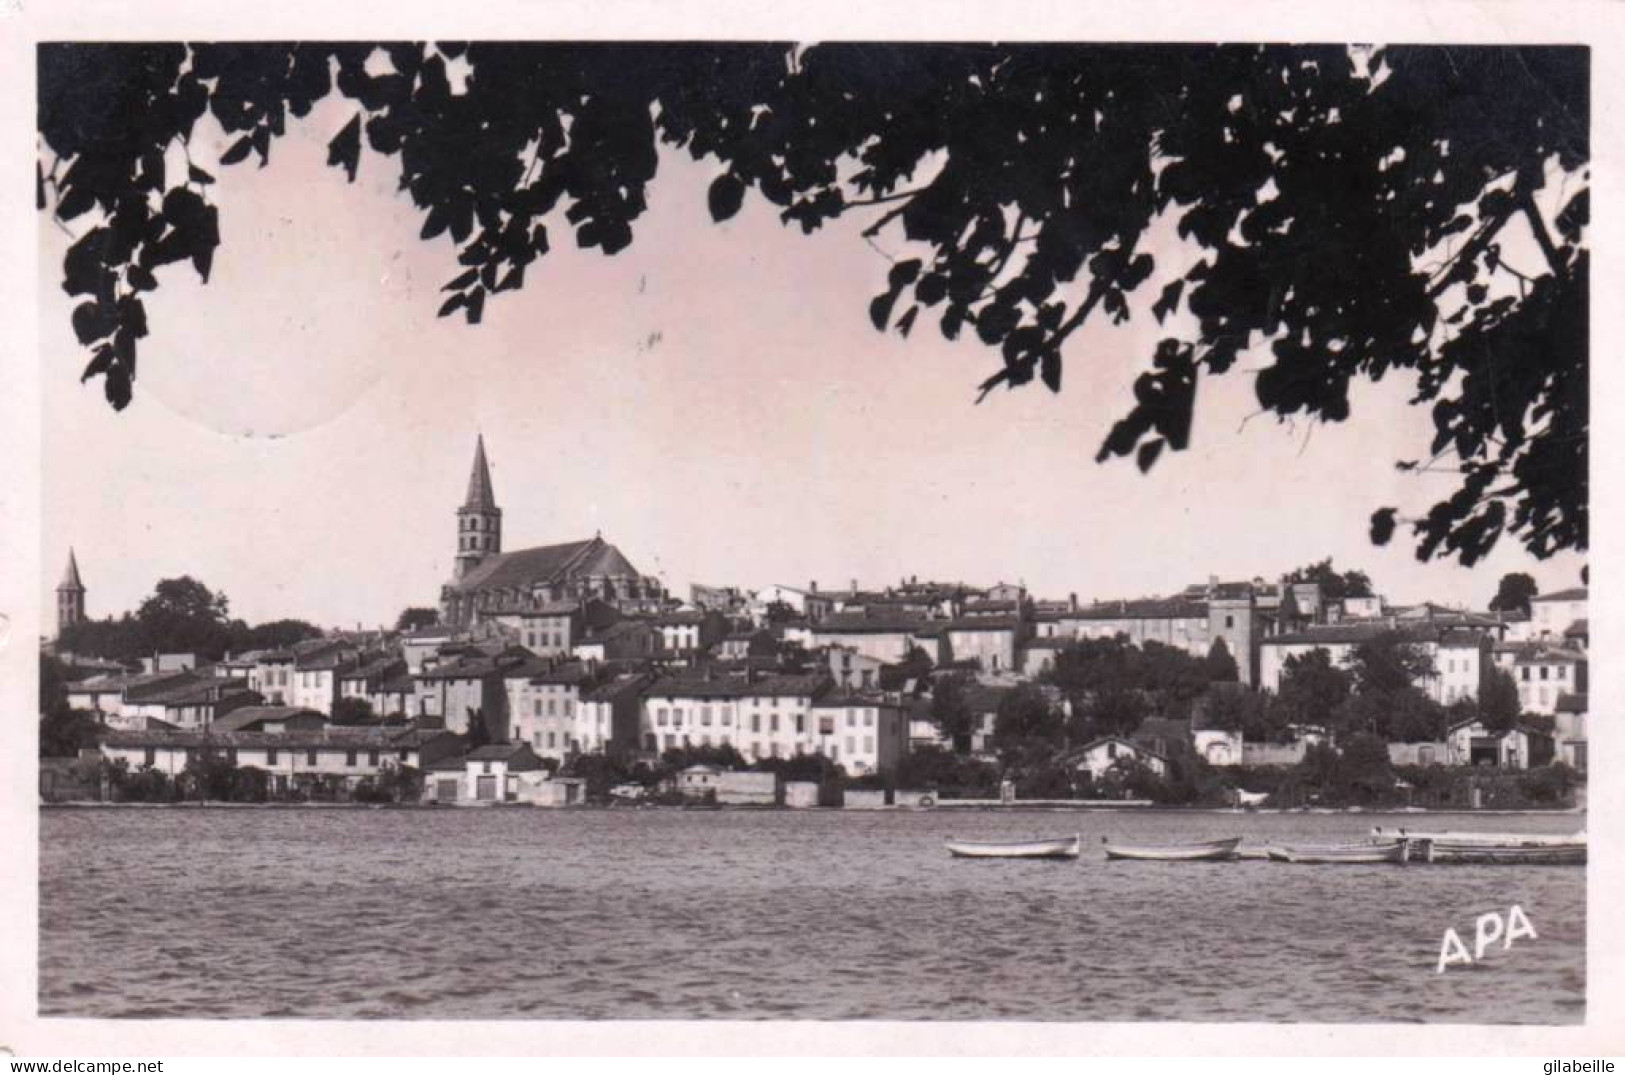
345 148
239 151
726 195
451 304
1147 454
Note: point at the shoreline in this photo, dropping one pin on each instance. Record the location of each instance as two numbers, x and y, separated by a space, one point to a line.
950 805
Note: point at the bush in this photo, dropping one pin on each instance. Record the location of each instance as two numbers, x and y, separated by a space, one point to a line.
1549 785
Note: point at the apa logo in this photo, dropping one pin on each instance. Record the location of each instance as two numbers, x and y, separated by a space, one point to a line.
1488 929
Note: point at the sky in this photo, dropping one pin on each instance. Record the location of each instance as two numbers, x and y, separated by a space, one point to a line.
713 400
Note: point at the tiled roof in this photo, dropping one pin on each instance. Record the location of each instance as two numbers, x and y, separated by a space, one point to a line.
616 689
791 686
339 737
496 751
1092 744
1571 703
525 568
239 719
1577 593
1365 630
1154 608
193 692
839 699
984 623
381 666
1540 653
1578 628
858 623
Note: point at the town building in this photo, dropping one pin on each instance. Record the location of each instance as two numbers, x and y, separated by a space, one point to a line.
458 690
990 640
70 597
188 702
1551 615
487 580
863 732
1544 672
1520 747
1099 757
1456 652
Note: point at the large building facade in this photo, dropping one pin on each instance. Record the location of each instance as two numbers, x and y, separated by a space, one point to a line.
488 583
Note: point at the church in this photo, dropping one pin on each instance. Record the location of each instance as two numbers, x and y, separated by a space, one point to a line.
487 582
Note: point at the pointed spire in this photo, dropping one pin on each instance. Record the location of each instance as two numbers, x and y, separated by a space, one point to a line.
480 496
70 577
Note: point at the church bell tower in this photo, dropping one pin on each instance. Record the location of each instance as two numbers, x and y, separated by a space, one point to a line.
479 520
70 597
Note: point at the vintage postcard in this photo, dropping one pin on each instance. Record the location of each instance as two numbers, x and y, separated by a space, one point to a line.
759 524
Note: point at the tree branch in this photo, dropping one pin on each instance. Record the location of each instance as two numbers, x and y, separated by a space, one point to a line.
1526 202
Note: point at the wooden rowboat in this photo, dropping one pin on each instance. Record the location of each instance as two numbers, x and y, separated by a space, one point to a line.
1206 851
1496 849
1065 847
1343 854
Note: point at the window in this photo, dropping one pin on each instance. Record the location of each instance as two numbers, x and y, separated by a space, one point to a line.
1544 672
727 717
151 756
1111 750
801 723
774 722
550 707
552 739
349 758
537 705
868 718
850 746
851 721
868 744
705 716
756 722
1524 673
310 757
567 707
1229 621
270 756
485 767
660 717
372 757
536 740
231 755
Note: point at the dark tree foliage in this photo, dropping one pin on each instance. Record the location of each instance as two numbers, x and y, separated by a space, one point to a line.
1386 664
950 709
1351 209
1311 688
1220 666
1334 585
1404 716
413 619
950 775
1499 706
1514 593
353 711
64 732
723 757
1026 718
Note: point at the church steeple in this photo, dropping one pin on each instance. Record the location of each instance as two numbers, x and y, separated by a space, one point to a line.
70 597
479 520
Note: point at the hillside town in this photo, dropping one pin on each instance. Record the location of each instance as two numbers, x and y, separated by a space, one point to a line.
561 675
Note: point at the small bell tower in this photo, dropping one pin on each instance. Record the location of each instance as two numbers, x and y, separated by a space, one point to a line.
479 520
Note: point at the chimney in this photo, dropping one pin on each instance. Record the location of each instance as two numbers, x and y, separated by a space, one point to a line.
854 585
1072 601
812 587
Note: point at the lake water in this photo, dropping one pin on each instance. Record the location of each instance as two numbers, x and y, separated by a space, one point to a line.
537 914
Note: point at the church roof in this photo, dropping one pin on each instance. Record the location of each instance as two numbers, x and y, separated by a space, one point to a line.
480 496
546 563
70 577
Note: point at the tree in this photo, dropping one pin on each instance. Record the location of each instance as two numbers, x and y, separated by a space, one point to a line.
1220 666
184 616
415 619
1387 664
1403 716
1113 712
1514 592
478 734
276 634
1311 688
355 711
1334 585
950 710
64 732
1025 716
1347 212
1499 706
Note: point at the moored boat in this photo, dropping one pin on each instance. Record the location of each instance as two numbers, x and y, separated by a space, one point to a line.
1494 848
1066 847
1204 851
1343 854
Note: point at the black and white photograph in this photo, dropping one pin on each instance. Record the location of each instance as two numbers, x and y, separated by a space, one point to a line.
718 528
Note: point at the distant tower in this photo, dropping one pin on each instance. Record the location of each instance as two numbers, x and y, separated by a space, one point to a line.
70 597
479 520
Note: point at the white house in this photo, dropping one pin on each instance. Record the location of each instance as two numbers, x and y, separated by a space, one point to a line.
1470 743
1217 747
863 732
1551 615
1543 671
1100 755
